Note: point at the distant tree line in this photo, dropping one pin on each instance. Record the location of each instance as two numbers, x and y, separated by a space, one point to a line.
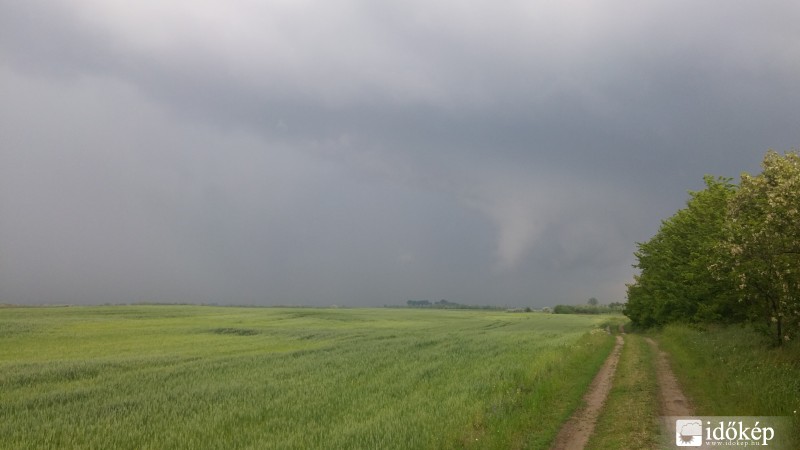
732 255
591 307
419 303
444 304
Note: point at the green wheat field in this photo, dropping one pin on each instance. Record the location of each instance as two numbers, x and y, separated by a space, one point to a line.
164 376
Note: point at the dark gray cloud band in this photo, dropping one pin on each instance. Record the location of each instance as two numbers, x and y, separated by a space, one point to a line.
359 153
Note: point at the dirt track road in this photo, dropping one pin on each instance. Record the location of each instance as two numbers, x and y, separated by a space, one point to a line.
673 402
576 432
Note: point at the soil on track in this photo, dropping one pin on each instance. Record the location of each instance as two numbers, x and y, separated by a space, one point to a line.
576 432
673 402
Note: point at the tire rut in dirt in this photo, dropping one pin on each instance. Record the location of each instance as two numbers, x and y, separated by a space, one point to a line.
576 431
673 401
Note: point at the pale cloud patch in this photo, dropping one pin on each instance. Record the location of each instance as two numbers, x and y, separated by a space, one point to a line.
554 217
518 222
520 210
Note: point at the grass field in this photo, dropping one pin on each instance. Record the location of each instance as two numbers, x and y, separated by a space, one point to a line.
208 377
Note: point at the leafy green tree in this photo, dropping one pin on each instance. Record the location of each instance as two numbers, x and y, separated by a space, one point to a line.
592 301
675 283
761 247
564 309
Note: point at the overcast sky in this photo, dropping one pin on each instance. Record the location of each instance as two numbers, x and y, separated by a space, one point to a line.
370 152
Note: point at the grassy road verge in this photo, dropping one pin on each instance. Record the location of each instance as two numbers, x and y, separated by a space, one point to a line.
734 371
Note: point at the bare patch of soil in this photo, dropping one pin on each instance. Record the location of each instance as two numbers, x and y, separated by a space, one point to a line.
673 402
575 433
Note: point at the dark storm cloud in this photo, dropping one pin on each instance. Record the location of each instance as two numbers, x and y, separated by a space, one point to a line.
362 153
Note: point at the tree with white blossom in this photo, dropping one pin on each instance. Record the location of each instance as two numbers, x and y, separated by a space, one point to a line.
761 246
